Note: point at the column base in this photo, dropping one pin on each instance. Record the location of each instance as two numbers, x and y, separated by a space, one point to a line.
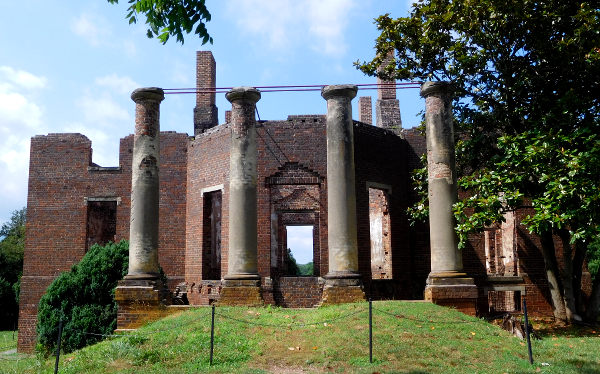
342 287
240 292
140 301
452 290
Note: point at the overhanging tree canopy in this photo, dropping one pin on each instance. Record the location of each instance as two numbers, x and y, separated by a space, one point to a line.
167 18
527 117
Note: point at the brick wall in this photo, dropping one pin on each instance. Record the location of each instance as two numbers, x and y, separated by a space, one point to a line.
420 251
296 151
298 292
208 168
62 179
380 163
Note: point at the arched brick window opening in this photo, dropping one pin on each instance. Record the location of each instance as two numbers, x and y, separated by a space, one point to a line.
379 222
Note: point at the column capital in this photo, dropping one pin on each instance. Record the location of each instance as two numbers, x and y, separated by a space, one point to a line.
148 93
430 88
245 93
344 90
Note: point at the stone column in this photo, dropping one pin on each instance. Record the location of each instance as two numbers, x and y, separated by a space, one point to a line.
447 284
342 283
143 231
140 295
242 281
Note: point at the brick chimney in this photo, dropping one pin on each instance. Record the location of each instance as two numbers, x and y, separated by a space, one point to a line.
205 112
365 110
387 107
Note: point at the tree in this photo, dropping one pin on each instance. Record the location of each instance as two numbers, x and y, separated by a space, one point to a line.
307 270
12 245
526 118
167 18
84 298
292 265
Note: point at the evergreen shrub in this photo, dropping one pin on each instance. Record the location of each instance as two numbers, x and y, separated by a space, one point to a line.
84 298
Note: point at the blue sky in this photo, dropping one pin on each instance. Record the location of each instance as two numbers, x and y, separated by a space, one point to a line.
70 66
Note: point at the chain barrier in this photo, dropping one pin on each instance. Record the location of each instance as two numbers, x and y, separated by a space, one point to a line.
144 333
293 324
441 322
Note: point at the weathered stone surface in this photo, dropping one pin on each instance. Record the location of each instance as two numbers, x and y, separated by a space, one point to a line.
341 193
446 257
242 185
143 235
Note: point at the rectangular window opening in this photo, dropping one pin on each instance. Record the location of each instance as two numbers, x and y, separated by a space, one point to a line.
300 249
211 236
101 223
379 222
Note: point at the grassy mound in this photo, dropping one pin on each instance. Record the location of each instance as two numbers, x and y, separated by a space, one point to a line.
407 338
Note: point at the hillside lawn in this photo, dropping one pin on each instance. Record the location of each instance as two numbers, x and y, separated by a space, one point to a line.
408 337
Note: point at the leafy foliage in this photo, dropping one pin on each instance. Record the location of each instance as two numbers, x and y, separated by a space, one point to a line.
166 18
11 267
306 269
594 258
527 113
84 299
292 265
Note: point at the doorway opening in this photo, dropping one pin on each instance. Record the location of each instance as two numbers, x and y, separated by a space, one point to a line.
211 248
300 250
379 222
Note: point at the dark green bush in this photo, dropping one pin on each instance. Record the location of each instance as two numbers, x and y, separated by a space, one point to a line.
84 299
594 258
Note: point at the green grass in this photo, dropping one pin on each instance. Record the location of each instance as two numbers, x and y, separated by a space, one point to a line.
411 340
6 340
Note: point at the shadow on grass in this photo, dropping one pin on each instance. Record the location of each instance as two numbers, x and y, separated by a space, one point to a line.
547 330
585 367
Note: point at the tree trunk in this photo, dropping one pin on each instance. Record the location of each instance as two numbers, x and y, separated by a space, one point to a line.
569 293
593 306
578 260
554 283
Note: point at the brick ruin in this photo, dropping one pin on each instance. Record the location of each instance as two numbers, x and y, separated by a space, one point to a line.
74 203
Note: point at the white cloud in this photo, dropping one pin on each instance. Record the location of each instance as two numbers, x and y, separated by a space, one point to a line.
105 145
285 23
94 28
23 78
101 109
20 119
300 241
104 118
121 85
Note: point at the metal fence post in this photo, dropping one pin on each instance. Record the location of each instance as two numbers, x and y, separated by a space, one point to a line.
527 332
60 328
370 331
212 334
